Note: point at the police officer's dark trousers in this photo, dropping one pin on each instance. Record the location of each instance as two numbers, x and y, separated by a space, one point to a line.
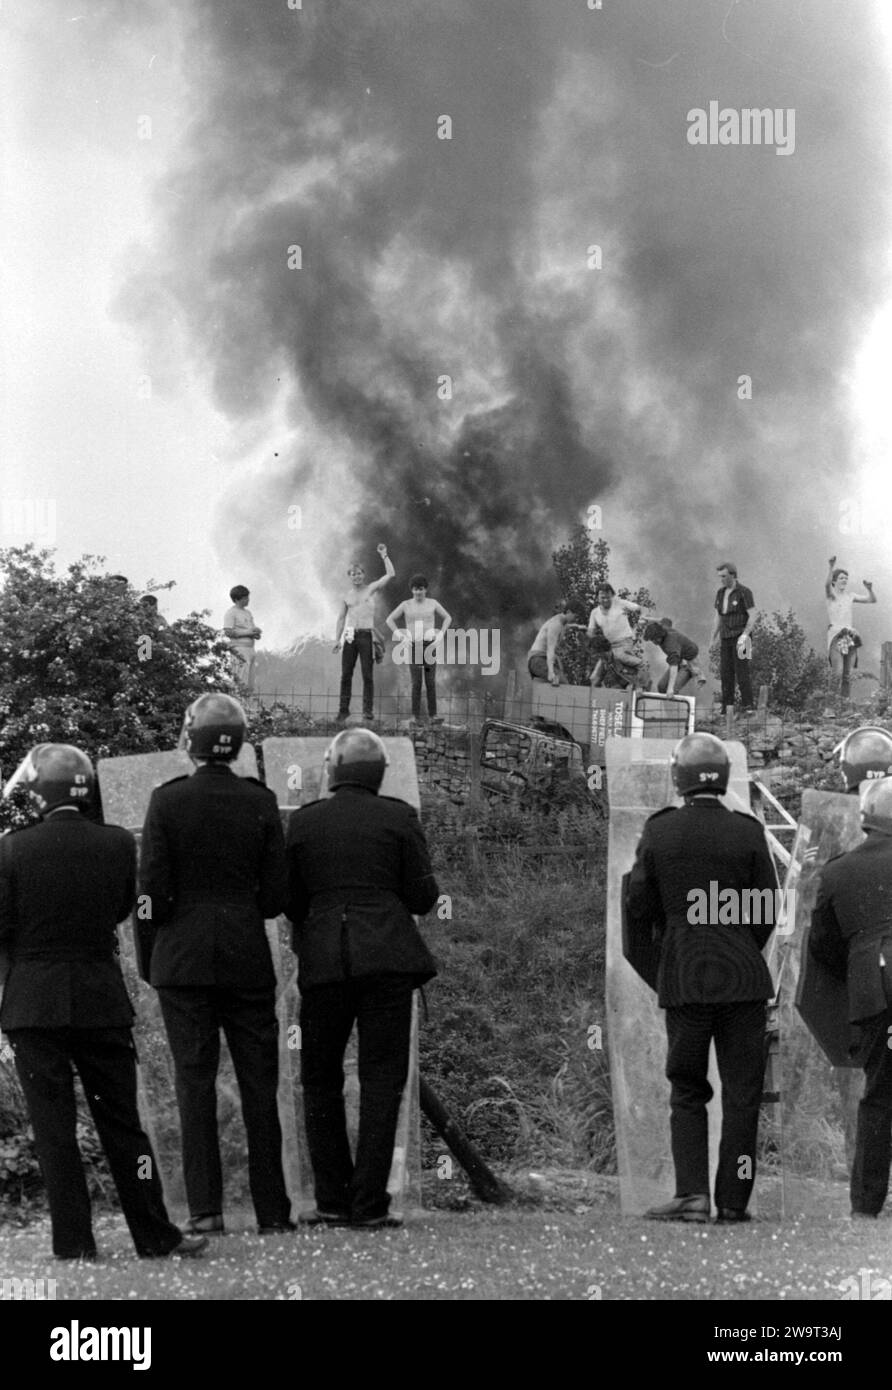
106 1063
739 1033
381 1007
873 1144
193 1017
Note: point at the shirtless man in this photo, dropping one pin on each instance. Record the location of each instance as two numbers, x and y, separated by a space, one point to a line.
420 613
354 633
543 662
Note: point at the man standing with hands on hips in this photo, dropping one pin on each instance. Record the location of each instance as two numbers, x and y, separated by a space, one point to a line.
735 616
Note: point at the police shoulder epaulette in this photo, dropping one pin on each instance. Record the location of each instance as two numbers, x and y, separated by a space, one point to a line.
258 783
183 777
748 815
662 811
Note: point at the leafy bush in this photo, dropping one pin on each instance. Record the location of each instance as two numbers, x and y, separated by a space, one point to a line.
82 662
795 675
581 565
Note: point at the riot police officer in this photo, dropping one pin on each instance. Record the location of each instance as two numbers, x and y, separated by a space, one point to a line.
65 883
358 868
851 935
696 871
864 755
213 868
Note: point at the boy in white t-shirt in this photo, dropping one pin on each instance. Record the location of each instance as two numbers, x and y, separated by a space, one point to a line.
240 632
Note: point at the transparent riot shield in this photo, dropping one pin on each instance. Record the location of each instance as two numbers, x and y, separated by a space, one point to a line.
294 771
126 784
820 1088
639 783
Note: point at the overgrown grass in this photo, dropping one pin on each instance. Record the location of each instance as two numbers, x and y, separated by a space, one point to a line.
521 983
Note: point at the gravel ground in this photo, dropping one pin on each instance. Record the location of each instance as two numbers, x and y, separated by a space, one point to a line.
587 1254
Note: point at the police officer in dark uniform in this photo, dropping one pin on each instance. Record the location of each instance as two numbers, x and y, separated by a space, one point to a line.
865 755
65 883
851 935
713 981
213 868
358 868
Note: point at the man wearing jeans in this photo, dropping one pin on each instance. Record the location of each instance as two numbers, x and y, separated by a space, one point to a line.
354 637
735 615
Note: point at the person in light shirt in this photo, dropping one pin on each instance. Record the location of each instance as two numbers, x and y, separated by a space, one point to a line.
842 639
241 634
419 615
354 636
610 617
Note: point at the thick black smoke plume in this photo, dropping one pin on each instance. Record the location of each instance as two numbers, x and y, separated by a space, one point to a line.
471 259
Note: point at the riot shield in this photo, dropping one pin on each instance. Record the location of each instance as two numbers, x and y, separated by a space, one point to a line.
126 784
639 783
819 1099
294 770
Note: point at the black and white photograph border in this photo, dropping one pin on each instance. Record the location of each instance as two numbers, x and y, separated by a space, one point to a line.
507 380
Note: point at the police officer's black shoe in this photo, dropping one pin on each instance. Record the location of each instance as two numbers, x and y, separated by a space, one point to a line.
277 1228
731 1214
378 1223
691 1208
190 1246
205 1225
324 1218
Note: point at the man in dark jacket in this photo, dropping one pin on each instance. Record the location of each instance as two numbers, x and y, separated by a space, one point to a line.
65 883
704 882
735 617
851 935
213 868
358 867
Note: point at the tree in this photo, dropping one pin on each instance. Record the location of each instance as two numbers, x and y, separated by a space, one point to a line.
581 565
793 672
82 662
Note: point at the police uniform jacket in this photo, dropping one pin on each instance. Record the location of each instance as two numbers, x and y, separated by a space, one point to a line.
358 868
212 869
65 883
851 925
687 852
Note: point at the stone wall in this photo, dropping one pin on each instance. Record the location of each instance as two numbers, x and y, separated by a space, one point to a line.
443 759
